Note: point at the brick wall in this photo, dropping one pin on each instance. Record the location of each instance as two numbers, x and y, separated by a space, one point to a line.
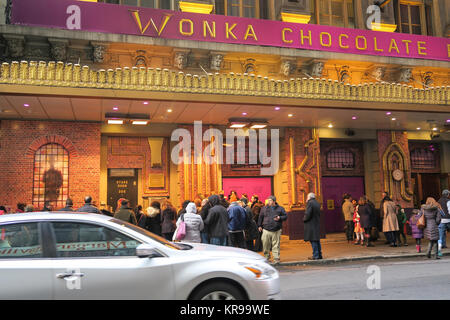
19 140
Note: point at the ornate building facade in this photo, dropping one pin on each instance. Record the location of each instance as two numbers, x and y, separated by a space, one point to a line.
358 91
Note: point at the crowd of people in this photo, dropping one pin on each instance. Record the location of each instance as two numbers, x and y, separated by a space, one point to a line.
363 225
225 221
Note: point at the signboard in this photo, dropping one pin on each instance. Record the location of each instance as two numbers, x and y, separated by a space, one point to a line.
167 24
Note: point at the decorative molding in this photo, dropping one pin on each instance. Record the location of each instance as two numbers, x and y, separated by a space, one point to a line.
39 142
58 74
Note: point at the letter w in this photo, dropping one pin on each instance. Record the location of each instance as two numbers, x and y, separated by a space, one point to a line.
137 19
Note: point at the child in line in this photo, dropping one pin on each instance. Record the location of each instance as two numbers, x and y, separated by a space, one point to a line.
359 231
417 233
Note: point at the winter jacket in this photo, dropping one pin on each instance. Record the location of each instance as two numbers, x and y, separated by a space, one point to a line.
89 208
168 218
444 202
416 232
401 218
267 215
390 222
348 210
126 214
367 217
251 229
217 219
432 220
312 221
237 216
194 224
151 220
67 209
204 214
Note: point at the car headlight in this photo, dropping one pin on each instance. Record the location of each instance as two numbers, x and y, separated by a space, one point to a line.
261 272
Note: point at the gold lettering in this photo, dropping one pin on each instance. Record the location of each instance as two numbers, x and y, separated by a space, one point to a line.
304 37
206 26
284 35
321 39
407 42
357 43
191 27
420 48
393 45
340 41
250 33
137 19
448 50
229 31
375 45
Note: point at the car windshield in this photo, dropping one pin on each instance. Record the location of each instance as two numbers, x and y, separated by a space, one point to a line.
144 232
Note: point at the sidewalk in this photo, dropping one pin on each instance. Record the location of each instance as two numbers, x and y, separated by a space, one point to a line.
336 249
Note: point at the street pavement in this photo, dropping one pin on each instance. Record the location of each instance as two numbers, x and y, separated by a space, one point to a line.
336 249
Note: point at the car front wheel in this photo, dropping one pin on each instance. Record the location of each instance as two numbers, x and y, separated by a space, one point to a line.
218 291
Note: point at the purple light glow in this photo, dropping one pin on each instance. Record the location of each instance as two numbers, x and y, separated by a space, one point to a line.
388 113
277 108
244 113
115 108
145 102
354 118
26 105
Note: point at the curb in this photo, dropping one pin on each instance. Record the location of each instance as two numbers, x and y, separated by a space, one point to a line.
349 259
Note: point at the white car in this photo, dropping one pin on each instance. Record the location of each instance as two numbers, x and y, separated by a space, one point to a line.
56 255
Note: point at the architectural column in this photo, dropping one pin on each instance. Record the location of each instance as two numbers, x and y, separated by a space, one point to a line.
303 156
395 166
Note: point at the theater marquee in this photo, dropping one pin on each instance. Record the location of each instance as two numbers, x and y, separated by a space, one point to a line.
107 18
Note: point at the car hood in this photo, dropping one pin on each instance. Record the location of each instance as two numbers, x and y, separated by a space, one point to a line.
222 252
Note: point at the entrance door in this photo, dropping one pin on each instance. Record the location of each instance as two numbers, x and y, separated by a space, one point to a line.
333 189
426 185
122 183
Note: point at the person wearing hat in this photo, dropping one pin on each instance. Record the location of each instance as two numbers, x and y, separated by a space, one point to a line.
69 205
270 224
444 226
125 213
312 225
194 224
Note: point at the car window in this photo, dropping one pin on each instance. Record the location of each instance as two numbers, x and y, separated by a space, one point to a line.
20 240
89 240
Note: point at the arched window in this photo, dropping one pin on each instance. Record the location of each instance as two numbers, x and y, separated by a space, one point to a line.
340 158
51 175
423 158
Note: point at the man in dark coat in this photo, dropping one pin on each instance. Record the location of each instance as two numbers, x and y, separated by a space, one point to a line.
217 222
312 226
125 213
88 207
367 219
69 206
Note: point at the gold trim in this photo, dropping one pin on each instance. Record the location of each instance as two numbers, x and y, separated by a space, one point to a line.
196 7
295 18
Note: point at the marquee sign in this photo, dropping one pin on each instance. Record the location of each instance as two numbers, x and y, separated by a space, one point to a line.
167 24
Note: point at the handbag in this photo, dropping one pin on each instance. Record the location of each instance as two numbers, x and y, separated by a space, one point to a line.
421 222
180 231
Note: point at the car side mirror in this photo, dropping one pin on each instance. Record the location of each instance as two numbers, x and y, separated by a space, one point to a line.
147 251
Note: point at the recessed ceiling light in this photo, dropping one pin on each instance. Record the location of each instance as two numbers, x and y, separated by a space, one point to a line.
388 113
139 122
393 119
277 108
448 121
238 125
169 110
258 126
115 108
418 128
354 118
145 102
290 115
115 121
26 105
330 125
435 129
244 113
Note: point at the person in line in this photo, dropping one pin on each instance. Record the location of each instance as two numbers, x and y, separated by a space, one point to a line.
384 197
401 218
367 219
444 226
416 232
125 213
47 206
312 226
270 224
233 196
138 212
183 208
20 207
29 208
256 209
236 225
251 229
194 224
107 210
204 234
358 230
347 211
217 222
151 220
390 223
432 219
168 220
69 206
223 201
88 206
